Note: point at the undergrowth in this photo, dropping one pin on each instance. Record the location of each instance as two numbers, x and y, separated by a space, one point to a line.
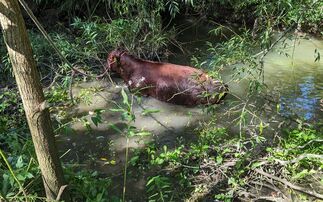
221 167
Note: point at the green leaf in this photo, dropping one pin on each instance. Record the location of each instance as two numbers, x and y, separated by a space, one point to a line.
29 175
261 127
134 160
124 97
114 127
151 180
131 133
20 162
219 159
159 161
149 111
96 120
68 130
317 55
303 173
256 164
117 110
143 133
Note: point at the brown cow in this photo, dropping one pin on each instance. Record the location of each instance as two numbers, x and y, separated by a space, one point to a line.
167 82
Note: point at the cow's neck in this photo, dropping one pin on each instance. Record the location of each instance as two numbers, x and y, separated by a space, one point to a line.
127 66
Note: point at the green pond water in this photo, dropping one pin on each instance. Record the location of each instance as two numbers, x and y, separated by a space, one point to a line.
290 71
299 79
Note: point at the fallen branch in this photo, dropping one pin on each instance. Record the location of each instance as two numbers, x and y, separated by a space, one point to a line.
269 198
272 187
292 186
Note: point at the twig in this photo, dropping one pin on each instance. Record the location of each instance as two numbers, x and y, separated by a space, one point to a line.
13 175
2 196
70 87
266 51
53 81
310 142
42 30
179 93
292 186
269 198
257 198
299 158
65 153
60 192
270 187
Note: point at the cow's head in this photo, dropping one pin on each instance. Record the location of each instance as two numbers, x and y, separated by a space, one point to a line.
113 61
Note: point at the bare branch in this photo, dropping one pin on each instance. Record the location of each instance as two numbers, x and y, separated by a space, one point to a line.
292 186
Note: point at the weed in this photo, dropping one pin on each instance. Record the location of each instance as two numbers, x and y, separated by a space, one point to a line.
159 189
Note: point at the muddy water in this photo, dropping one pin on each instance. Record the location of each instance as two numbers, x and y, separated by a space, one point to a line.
296 80
166 124
103 149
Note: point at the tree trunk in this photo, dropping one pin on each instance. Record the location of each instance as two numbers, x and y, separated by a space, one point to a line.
28 82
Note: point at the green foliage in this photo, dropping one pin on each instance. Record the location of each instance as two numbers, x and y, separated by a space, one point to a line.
75 7
238 52
159 189
84 185
48 62
226 197
57 95
19 153
269 14
128 116
217 154
121 8
87 186
165 156
134 34
5 67
22 173
9 103
301 150
19 168
181 164
88 49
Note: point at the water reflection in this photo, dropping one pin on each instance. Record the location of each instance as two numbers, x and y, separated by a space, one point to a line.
299 79
302 103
